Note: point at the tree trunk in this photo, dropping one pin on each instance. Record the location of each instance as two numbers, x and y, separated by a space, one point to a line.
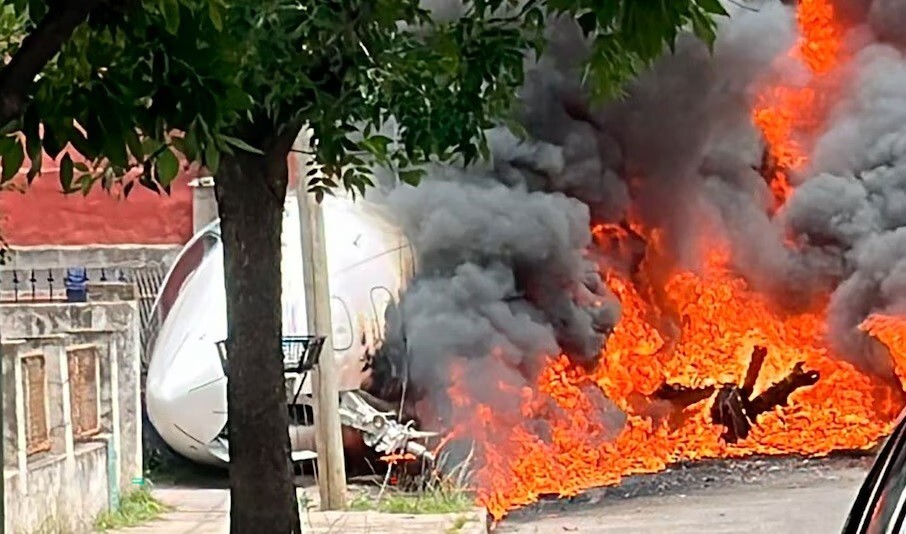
250 192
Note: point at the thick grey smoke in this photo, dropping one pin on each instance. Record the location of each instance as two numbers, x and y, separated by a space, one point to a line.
504 275
858 201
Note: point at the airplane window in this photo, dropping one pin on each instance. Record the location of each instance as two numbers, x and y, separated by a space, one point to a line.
381 297
342 324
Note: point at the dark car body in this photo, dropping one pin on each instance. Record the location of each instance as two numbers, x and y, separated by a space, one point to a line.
880 507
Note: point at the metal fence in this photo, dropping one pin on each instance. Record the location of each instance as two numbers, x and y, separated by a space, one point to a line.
46 285
148 281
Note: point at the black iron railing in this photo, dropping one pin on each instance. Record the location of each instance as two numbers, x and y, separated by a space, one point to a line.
301 353
49 285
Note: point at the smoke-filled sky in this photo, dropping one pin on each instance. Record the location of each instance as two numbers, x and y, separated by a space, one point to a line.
506 270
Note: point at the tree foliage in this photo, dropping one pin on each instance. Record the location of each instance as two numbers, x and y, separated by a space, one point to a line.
145 82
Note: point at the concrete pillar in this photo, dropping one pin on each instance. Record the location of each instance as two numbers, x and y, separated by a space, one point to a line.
116 478
21 445
66 396
11 390
204 204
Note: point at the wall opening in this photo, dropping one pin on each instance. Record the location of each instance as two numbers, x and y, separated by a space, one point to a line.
83 391
34 385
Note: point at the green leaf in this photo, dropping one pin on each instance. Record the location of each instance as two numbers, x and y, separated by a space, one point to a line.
171 15
377 146
186 145
240 144
134 144
150 146
12 155
81 144
712 6
52 144
86 181
412 176
66 168
348 176
35 168
115 150
703 29
236 98
167 166
216 18
211 158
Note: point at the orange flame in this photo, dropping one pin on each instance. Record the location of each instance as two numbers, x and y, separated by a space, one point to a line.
561 441
787 115
822 37
397 458
566 431
891 332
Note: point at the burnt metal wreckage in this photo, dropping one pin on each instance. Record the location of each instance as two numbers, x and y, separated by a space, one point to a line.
735 406
380 429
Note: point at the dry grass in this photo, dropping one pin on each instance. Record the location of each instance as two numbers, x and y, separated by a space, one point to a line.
427 493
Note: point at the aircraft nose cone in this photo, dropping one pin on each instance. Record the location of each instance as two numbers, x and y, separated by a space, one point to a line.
186 399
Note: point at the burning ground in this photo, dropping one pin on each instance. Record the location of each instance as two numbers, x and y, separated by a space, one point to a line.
712 266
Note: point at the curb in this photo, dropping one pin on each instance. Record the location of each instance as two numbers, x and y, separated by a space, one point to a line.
482 525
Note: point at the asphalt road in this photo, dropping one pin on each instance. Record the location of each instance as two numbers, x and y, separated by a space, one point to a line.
776 499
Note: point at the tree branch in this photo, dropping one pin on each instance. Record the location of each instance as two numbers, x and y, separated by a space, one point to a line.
37 49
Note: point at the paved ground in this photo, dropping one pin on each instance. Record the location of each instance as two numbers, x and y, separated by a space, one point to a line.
806 501
206 511
775 496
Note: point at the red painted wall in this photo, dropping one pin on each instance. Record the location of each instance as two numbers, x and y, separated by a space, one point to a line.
43 215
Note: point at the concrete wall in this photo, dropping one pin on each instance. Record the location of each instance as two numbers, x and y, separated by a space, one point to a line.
67 485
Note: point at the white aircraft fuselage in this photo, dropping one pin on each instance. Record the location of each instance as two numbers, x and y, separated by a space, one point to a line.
369 261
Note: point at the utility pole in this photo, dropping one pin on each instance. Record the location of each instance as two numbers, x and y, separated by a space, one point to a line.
325 386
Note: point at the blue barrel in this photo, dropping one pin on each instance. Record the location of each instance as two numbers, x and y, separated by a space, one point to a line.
76 284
